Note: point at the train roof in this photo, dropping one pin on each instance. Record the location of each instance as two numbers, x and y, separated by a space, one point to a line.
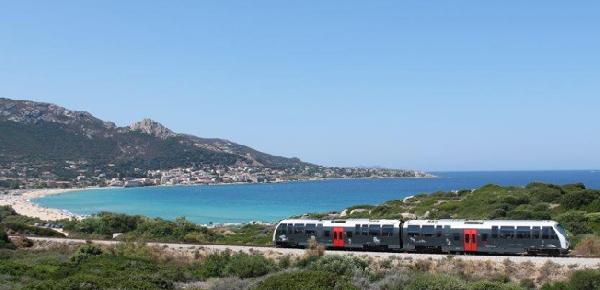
342 222
458 223
481 223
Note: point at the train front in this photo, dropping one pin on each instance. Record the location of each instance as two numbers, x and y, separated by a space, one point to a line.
565 245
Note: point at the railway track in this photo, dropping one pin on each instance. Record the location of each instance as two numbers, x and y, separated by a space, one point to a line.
586 262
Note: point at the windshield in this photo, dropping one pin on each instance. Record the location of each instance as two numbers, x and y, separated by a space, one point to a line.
561 230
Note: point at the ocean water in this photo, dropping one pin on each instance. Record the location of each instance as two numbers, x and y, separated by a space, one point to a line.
272 202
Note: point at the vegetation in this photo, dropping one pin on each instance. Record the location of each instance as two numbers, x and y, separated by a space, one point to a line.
584 279
135 266
304 280
574 206
14 223
140 228
240 265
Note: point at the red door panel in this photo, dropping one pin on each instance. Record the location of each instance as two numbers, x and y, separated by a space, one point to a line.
338 237
470 240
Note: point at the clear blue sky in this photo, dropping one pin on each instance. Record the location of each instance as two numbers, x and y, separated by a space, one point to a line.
433 85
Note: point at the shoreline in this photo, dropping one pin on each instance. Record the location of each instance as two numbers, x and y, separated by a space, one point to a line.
21 201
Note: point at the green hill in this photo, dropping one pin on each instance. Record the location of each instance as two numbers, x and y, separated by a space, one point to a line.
40 137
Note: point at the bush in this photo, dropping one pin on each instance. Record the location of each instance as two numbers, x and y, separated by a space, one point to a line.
436 282
489 285
588 279
248 266
5 242
545 192
85 251
579 199
395 281
585 279
212 265
556 286
304 280
240 265
230 284
340 265
575 222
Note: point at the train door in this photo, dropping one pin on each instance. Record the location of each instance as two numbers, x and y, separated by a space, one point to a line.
338 237
470 240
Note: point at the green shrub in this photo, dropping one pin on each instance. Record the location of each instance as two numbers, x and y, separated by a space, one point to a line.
302 280
585 279
489 285
240 265
588 279
579 199
85 251
337 264
545 192
5 242
212 265
556 286
436 282
575 222
248 266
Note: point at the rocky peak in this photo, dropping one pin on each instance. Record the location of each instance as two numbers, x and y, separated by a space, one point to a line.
30 112
151 127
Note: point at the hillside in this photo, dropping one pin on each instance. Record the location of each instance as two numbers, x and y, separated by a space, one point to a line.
51 138
42 142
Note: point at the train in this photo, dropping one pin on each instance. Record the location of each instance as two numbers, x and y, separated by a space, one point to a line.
449 236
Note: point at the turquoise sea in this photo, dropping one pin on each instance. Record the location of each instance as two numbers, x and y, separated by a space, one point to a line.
272 202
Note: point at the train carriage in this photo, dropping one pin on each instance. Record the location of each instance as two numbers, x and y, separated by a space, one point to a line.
494 237
441 236
340 234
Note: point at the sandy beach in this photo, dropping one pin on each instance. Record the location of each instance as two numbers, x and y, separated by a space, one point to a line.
20 201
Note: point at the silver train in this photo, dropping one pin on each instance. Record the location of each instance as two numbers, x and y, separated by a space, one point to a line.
515 237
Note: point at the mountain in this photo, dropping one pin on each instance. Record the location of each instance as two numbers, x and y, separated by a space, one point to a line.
50 138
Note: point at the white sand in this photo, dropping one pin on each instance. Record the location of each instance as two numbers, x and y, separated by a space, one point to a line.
20 201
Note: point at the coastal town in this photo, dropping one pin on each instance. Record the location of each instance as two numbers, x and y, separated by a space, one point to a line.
16 177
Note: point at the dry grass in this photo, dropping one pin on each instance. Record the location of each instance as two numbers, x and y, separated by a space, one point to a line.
314 249
589 246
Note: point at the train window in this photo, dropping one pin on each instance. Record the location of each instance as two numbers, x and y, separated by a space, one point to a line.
535 232
387 230
281 229
290 228
413 231
298 228
456 236
374 230
467 238
507 232
484 237
357 230
546 232
494 232
348 234
310 229
438 231
523 233
552 233
326 234
427 231
365 230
